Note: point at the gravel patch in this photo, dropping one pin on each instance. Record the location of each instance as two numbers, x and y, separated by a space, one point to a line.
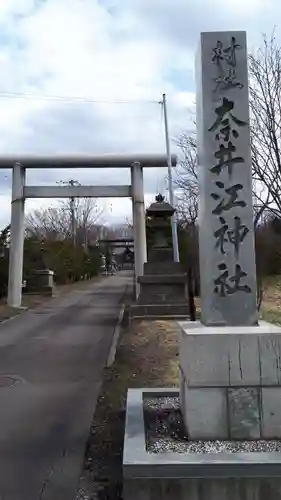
165 432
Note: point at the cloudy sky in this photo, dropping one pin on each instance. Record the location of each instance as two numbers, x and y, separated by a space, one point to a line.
63 63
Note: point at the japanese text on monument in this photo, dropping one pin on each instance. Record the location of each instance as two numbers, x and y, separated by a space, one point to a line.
226 128
225 60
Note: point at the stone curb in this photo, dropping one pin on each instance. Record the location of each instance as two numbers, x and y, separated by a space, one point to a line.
138 463
114 343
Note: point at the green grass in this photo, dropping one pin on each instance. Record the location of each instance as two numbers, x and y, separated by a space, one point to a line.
271 315
270 308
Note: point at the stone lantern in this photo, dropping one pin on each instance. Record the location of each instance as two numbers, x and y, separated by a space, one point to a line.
159 215
163 287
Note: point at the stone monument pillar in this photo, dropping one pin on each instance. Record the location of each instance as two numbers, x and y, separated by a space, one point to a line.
226 232
229 365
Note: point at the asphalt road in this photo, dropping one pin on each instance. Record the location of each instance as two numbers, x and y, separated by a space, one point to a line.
51 366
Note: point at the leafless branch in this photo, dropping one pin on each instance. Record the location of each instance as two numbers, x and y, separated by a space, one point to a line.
265 113
55 222
186 182
265 110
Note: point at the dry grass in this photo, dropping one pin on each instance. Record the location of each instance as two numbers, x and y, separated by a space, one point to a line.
150 350
271 304
146 357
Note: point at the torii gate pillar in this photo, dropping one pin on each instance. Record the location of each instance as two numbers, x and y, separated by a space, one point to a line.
17 237
138 221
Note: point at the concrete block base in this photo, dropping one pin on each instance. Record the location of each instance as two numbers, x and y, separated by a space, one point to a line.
202 489
40 282
191 476
48 291
231 381
155 311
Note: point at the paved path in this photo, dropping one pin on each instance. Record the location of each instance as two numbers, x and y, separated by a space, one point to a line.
56 355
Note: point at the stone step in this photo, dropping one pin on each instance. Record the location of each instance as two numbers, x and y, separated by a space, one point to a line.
157 268
168 310
154 279
163 317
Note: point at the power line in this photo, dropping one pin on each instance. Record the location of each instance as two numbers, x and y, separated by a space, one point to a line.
30 95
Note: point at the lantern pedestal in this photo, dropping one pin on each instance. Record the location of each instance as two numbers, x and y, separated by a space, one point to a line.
163 286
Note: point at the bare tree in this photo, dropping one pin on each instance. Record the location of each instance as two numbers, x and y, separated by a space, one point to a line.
265 109
57 223
88 214
49 223
265 122
186 181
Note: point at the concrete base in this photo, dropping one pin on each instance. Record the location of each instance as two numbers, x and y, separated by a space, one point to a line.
156 266
161 286
163 289
154 311
166 476
48 291
40 282
231 381
162 295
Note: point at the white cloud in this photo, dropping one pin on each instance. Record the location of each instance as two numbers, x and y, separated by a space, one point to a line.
10 8
110 50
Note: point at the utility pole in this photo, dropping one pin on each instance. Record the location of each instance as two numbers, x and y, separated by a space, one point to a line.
170 180
72 209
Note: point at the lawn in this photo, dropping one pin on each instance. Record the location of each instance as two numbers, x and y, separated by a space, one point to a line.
271 304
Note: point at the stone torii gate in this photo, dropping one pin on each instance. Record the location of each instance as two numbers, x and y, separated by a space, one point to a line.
20 192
